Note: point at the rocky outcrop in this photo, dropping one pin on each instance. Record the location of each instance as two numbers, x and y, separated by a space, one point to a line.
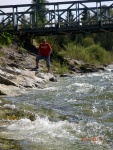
79 66
14 81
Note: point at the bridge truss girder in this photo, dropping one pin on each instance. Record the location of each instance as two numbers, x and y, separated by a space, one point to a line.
61 17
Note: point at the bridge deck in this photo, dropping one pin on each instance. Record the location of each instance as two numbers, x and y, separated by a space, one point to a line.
58 17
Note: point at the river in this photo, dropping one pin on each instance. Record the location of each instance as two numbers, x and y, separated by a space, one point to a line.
75 113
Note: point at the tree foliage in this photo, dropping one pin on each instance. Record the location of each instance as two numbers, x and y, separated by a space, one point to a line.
41 15
5 38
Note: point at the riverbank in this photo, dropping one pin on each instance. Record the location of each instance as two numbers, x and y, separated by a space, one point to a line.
17 74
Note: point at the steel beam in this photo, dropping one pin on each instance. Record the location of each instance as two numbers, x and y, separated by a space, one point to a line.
59 17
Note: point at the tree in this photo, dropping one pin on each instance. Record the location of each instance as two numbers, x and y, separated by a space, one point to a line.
85 16
105 39
69 18
24 22
41 18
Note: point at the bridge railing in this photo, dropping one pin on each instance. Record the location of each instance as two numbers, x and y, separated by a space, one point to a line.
59 17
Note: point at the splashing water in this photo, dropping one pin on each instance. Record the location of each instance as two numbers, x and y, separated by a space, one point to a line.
75 113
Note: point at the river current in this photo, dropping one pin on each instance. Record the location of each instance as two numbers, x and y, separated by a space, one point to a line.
75 113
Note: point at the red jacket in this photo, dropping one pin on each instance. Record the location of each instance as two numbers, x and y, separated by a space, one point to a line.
44 49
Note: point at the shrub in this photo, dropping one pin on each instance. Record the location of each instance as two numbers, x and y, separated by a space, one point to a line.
5 38
74 52
97 54
93 54
59 68
21 50
88 41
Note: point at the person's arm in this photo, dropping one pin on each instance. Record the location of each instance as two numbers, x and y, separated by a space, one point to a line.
50 48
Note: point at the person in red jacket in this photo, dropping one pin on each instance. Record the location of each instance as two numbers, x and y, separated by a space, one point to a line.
44 51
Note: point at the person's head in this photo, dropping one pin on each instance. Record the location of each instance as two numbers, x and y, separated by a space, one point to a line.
44 40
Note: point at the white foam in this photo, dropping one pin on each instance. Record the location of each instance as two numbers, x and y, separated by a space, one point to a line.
42 127
9 106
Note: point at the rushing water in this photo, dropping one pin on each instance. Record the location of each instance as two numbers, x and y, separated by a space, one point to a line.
76 113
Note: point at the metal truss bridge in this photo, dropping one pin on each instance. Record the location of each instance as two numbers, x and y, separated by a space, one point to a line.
57 18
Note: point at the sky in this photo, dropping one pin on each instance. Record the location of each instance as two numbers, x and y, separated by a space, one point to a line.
14 2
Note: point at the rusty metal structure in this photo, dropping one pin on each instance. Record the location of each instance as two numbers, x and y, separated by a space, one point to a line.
74 17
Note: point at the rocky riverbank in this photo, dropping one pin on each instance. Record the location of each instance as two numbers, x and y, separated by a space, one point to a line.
17 74
14 81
